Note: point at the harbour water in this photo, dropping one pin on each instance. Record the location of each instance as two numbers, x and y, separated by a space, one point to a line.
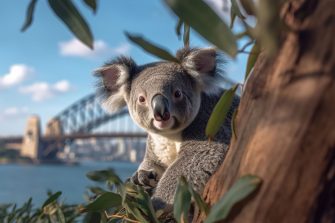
20 182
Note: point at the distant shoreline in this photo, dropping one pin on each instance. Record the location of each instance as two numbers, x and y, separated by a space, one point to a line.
27 161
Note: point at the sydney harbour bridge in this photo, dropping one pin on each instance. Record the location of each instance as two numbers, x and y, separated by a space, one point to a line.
81 128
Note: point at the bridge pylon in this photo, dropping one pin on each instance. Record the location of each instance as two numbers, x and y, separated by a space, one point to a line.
31 146
54 128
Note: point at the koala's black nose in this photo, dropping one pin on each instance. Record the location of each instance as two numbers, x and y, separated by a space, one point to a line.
160 107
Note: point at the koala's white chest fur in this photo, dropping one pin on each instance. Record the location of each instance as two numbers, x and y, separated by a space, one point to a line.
165 149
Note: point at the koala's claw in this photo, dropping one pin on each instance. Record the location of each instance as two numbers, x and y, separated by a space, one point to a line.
146 178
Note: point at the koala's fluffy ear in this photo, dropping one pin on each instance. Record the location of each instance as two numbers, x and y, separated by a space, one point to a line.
114 82
203 65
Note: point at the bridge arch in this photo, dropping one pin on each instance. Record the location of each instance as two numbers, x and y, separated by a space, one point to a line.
85 115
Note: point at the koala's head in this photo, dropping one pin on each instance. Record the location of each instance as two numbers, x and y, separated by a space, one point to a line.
162 97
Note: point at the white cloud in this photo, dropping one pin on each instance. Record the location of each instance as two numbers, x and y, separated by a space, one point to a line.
16 75
75 48
41 91
124 48
62 86
13 112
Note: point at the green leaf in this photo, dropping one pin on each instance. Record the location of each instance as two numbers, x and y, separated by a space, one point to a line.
151 48
198 200
104 201
97 190
182 201
186 36
91 4
242 189
29 16
139 203
269 26
232 19
235 11
92 217
52 198
178 28
72 18
220 112
206 22
252 59
26 208
133 209
233 125
107 175
60 215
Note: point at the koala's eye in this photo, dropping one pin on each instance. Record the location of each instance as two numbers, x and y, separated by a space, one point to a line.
141 99
177 94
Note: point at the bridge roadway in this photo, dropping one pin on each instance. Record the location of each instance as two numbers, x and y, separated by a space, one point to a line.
19 139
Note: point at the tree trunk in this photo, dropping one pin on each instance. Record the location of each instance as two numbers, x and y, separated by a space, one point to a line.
286 125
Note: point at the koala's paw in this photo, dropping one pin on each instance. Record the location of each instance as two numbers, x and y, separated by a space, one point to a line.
146 178
165 210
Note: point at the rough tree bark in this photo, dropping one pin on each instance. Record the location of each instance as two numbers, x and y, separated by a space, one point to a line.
286 125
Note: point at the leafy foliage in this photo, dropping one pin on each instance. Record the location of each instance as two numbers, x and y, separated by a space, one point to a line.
242 189
235 11
206 22
51 211
220 112
151 48
70 15
30 15
92 4
182 201
127 202
255 51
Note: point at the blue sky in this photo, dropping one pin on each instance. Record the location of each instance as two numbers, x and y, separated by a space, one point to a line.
45 69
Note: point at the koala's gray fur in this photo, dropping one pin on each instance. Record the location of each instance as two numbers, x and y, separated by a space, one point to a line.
172 102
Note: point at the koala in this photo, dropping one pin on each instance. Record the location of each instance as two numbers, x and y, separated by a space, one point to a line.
172 101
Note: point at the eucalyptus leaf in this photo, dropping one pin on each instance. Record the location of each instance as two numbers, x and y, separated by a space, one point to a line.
268 25
235 11
220 112
242 189
182 201
104 201
92 4
26 207
178 28
92 217
60 215
186 36
107 175
198 200
254 53
233 123
29 15
52 198
137 198
135 211
232 19
206 22
72 18
151 48
97 190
